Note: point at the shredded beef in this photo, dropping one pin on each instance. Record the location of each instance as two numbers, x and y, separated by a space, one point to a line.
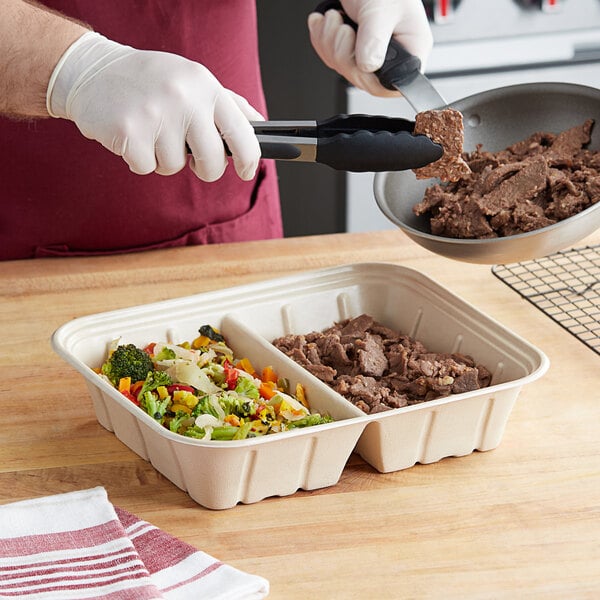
377 368
534 183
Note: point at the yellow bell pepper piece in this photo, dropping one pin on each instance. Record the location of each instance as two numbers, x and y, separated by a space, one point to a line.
245 365
200 342
124 384
185 397
300 395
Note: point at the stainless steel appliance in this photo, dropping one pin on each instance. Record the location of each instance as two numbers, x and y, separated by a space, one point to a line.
481 45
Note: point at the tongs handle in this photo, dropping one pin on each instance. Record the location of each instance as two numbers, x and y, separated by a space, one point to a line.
399 66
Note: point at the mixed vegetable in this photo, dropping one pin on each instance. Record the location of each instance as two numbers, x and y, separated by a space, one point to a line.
200 390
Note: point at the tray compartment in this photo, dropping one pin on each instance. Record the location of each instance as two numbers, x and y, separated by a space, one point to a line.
412 303
216 474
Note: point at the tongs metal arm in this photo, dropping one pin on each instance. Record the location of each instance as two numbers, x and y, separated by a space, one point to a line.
287 140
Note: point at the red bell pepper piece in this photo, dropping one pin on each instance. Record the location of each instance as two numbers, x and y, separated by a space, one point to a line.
130 396
231 375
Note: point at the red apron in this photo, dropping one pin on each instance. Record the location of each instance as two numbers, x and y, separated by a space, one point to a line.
62 194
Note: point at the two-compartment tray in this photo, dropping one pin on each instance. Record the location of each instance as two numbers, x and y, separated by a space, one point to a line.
218 474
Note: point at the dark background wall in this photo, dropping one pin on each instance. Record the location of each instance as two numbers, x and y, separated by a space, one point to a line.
299 86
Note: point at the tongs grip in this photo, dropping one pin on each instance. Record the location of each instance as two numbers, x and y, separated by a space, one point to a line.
372 143
376 151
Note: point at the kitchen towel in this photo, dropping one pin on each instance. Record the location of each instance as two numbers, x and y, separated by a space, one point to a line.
78 545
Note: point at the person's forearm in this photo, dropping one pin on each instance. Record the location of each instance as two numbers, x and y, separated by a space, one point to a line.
32 40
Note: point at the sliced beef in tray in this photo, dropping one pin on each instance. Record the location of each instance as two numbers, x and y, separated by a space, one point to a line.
377 368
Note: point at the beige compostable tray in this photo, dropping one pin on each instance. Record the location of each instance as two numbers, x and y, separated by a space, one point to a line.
219 474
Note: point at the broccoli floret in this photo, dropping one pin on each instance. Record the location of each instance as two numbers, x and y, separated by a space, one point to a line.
179 420
154 379
154 406
127 361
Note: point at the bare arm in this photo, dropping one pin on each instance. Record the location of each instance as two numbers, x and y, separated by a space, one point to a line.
32 40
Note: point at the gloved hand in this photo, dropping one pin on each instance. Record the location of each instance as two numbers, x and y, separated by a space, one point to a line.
145 106
355 55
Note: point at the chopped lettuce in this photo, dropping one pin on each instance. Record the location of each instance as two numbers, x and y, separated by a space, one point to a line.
247 387
190 373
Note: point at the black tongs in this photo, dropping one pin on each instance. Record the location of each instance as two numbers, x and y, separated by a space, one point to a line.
348 143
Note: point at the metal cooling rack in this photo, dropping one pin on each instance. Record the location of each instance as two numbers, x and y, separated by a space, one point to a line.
565 286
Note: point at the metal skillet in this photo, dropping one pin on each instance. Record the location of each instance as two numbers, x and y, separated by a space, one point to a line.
497 119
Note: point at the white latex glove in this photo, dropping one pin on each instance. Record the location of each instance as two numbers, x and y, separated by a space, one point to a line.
355 55
145 105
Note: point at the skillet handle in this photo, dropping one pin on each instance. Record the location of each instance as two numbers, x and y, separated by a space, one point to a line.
399 65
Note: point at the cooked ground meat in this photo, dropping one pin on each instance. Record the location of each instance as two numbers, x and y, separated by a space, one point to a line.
377 368
532 184
446 128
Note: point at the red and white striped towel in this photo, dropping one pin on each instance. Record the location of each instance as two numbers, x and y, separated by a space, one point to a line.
77 545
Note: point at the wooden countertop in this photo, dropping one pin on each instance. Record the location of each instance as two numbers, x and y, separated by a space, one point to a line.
521 521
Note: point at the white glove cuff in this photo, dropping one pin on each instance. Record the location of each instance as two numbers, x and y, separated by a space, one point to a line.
81 59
